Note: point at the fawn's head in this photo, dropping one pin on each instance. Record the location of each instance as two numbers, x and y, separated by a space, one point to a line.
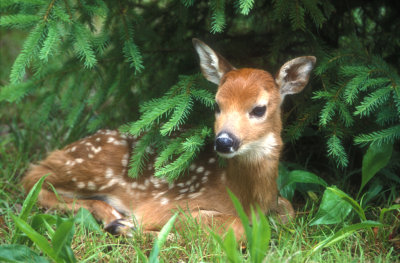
248 122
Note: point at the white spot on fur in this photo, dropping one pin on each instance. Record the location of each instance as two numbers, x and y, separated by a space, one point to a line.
191 188
164 201
121 142
207 173
223 177
110 183
134 185
142 187
211 160
81 185
179 197
74 179
183 190
124 160
96 149
147 183
91 186
159 194
194 195
98 139
109 173
79 160
192 167
73 149
204 179
200 169
110 139
181 184
111 132
90 156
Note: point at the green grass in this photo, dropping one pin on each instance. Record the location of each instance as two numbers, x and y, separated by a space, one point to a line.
294 242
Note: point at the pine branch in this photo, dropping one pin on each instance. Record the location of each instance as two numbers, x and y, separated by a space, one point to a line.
245 6
172 148
44 111
389 135
179 116
281 9
160 107
327 112
204 96
83 46
337 151
74 114
316 14
373 101
28 3
296 15
345 115
396 98
218 16
187 3
28 52
140 154
189 149
60 13
19 20
15 92
387 115
50 43
132 53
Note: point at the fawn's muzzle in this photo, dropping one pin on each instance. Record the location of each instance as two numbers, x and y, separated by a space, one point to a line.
226 142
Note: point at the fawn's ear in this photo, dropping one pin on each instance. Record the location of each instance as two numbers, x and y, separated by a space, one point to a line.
212 64
294 74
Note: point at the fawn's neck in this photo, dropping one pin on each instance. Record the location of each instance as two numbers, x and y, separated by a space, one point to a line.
254 182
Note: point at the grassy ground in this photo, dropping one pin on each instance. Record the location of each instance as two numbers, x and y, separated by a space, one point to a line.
294 242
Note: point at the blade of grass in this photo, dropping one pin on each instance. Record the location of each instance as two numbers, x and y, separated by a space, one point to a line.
343 233
162 237
38 239
31 199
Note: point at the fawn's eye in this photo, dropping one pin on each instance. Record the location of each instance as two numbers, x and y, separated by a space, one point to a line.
216 108
258 111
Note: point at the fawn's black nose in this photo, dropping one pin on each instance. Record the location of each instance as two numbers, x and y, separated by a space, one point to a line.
226 142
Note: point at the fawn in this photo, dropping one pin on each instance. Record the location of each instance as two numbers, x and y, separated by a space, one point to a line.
92 172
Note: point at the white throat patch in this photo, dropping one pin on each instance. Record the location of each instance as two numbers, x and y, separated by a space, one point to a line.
258 149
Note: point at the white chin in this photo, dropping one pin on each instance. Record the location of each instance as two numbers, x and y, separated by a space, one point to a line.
227 155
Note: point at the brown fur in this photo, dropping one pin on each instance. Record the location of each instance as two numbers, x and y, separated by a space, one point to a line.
92 172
